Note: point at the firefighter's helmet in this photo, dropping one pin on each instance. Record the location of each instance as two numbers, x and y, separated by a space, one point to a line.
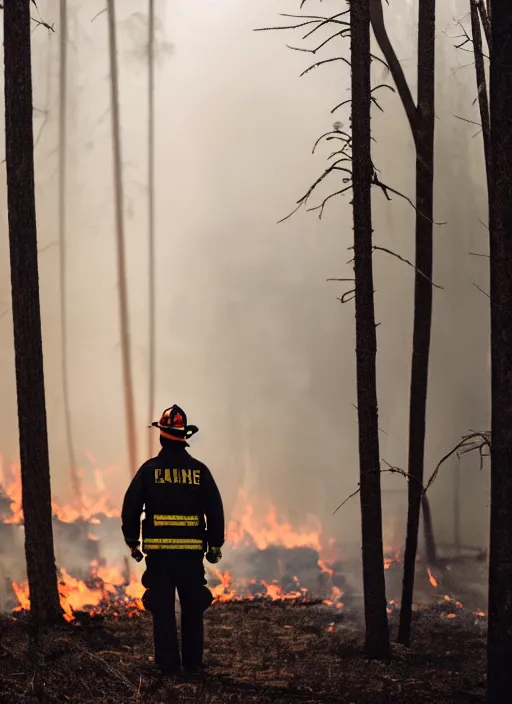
173 424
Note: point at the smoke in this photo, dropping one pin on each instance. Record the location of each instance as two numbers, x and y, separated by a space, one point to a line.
251 339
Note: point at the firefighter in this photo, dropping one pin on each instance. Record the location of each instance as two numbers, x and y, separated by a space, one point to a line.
176 493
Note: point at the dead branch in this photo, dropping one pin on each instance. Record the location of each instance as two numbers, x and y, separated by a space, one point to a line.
481 290
377 182
355 493
347 296
465 119
406 261
323 62
309 20
330 169
341 34
390 470
326 200
467 444
466 38
334 134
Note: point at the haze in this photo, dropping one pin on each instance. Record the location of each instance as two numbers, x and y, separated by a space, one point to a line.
252 340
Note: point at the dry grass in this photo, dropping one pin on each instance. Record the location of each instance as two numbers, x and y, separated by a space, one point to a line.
256 652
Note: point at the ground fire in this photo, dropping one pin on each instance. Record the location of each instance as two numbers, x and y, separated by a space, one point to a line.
267 560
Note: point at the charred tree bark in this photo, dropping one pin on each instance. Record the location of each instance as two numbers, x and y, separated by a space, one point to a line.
151 220
377 629
63 46
28 348
500 557
120 241
422 300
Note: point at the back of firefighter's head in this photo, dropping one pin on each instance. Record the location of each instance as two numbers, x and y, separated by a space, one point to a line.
173 426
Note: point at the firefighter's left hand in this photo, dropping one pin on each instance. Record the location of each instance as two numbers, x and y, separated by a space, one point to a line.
213 555
132 544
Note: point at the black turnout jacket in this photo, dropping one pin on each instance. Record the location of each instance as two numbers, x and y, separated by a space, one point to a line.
182 504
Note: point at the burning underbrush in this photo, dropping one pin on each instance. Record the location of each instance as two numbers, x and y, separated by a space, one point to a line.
264 561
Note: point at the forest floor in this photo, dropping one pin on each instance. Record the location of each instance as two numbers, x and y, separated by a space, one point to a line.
255 652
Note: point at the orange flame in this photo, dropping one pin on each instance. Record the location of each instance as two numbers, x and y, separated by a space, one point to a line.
432 579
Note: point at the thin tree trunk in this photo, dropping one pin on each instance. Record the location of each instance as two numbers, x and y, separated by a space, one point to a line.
413 116
377 629
500 556
28 349
63 44
428 531
422 300
120 240
456 510
481 85
151 219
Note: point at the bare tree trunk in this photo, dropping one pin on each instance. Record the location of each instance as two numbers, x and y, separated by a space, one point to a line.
151 219
481 85
500 556
377 629
35 466
121 264
422 300
413 116
63 44
428 531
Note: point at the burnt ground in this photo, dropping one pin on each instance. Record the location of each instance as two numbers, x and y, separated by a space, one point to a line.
256 652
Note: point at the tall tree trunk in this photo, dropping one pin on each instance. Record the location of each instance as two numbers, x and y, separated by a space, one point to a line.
151 219
500 557
377 629
63 68
422 299
28 348
481 85
121 264
413 115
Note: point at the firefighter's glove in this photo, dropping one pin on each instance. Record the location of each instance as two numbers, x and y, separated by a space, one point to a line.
213 555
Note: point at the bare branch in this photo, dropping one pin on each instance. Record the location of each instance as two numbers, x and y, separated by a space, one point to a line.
406 261
355 493
467 444
481 290
326 200
341 34
376 181
464 119
325 61
333 134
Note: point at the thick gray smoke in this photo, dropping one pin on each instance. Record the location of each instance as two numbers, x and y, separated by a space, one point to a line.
252 341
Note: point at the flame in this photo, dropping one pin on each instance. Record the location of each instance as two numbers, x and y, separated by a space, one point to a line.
247 530
432 579
112 589
94 500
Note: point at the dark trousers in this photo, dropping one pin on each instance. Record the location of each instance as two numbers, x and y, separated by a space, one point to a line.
165 573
